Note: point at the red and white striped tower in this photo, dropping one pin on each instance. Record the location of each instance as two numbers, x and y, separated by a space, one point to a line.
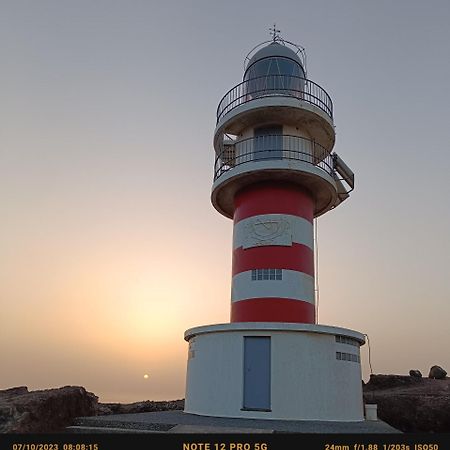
274 174
273 254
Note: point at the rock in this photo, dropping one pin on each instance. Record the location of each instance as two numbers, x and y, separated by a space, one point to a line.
437 372
12 392
390 381
44 411
411 404
139 407
415 373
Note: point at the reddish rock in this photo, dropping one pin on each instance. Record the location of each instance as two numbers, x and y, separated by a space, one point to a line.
411 404
45 411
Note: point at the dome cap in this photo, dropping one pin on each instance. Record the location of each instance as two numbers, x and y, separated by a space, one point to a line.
276 48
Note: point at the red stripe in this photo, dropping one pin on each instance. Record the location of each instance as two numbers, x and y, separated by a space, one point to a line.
273 198
272 310
298 257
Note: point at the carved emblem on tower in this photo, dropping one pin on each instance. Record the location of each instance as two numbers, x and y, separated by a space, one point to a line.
274 231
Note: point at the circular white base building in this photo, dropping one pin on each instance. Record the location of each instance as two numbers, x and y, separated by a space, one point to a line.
270 370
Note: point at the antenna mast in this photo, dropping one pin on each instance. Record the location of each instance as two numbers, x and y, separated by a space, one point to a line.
275 33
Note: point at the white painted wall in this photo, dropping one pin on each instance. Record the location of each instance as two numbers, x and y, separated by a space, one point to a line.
294 285
296 131
308 382
287 129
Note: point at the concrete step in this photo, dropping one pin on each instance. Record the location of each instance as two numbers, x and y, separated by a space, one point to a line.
80 429
180 422
215 429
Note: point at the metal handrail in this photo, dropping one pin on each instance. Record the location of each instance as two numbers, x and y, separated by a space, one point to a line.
272 147
275 86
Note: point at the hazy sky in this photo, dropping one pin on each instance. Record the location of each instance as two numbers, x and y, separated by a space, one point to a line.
109 246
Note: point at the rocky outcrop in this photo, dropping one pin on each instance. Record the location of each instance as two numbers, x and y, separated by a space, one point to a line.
415 373
47 411
52 410
411 404
383 382
139 407
437 372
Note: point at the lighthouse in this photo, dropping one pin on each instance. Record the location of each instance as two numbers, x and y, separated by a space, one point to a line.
275 171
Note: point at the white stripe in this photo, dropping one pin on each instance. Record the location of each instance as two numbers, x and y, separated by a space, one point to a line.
294 285
272 229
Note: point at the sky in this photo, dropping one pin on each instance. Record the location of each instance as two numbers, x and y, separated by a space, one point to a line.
109 246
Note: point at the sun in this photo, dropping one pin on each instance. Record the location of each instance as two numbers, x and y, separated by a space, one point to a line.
146 376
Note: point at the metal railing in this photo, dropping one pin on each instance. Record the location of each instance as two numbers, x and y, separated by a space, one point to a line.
275 86
272 147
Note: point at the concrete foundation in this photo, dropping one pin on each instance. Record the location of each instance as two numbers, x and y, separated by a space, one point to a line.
314 372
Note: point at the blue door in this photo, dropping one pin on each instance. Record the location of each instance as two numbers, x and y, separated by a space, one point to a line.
257 373
268 142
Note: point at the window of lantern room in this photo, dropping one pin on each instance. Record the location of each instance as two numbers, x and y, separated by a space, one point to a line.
275 76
